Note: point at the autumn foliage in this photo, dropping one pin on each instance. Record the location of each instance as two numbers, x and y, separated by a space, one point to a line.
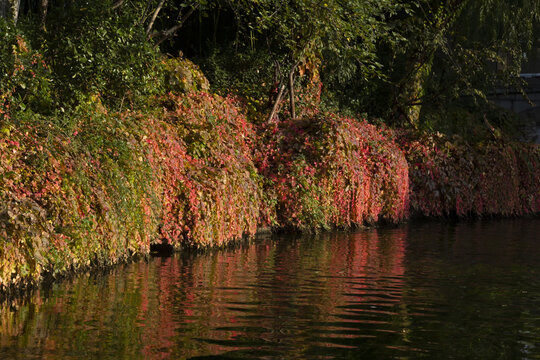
202 160
112 184
93 187
71 198
453 177
325 171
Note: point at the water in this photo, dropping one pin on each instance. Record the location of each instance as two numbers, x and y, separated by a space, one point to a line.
465 290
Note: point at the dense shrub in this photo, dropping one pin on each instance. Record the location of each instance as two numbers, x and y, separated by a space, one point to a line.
71 195
90 186
326 171
93 187
183 76
216 196
93 49
451 176
528 162
81 185
24 76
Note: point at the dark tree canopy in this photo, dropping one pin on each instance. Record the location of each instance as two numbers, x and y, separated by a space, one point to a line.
406 62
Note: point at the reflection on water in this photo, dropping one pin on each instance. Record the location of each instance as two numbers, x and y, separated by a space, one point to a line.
467 290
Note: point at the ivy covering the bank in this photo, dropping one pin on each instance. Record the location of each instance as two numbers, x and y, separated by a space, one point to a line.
453 177
326 171
105 151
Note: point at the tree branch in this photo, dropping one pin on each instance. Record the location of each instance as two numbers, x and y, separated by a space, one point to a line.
117 4
275 83
291 89
172 31
291 93
276 103
154 16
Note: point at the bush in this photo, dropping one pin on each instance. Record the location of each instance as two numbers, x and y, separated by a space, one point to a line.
71 195
94 50
217 196
93 187
326 171
453 177
24 76
183 76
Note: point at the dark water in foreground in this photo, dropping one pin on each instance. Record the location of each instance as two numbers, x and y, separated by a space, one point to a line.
466 290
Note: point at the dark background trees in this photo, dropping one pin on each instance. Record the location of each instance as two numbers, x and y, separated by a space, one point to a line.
423 63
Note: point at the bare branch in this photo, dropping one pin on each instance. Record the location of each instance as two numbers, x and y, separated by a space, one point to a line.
154 16
283 90
291 89
172 31
276 103
291 93
117 4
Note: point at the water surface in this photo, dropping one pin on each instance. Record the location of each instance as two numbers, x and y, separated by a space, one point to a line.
464 290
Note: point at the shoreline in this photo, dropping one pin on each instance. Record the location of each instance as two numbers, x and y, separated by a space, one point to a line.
18 292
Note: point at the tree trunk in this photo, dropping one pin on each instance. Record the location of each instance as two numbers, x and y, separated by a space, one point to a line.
416 92
15 6
10 9
43 8
291 93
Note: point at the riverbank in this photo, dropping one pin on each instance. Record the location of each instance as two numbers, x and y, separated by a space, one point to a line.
94 187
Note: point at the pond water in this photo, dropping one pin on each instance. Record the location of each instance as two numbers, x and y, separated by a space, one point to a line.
432 290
